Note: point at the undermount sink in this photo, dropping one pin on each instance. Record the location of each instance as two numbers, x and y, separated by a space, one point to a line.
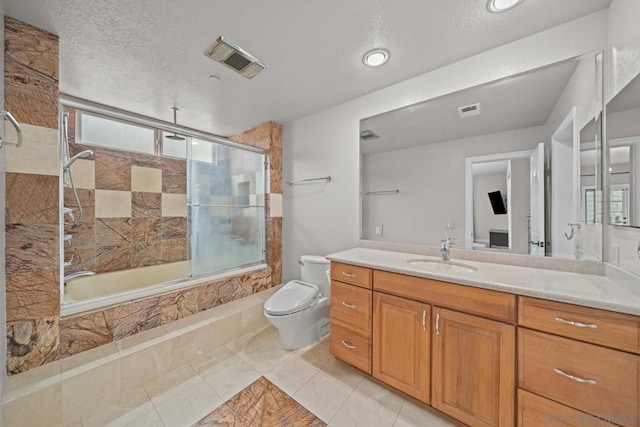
442 266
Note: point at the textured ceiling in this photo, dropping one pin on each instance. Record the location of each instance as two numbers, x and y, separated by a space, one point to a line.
146 56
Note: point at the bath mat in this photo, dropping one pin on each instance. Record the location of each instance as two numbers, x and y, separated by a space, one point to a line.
261 404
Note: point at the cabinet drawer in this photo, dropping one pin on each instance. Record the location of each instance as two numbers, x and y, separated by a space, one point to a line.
535 411
351 305
596 380
359 276
616 330
351 345
483 302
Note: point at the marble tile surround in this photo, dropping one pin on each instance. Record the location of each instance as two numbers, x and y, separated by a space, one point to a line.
32 196
135 200
84 331
35 331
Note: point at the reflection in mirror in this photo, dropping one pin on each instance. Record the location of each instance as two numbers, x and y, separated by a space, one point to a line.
623 133
497 166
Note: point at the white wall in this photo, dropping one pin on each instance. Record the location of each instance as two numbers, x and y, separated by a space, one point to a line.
624 49
325 219
483 217
624 44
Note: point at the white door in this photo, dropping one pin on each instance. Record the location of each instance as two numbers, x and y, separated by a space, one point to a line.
565 188
536 177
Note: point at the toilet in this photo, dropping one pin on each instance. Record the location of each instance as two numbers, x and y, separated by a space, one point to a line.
300 309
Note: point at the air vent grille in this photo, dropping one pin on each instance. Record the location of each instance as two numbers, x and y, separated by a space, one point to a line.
367 135
469 110
234 57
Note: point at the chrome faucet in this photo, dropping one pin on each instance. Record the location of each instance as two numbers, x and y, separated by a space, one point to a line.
76 275
444 247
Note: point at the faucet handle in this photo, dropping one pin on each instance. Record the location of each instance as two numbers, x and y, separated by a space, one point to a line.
451 241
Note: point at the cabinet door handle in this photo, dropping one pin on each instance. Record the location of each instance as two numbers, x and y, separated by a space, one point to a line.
437 323
424 320
574 378
350 346
344 273
346 304
576 324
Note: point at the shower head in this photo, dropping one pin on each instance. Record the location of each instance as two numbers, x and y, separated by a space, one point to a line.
80 155
175 136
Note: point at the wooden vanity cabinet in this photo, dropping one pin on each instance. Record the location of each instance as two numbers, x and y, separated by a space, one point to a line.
473 368
401 344
571 355
350 311
472 357
454 347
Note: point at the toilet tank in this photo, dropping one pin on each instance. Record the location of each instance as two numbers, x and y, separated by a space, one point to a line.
314 270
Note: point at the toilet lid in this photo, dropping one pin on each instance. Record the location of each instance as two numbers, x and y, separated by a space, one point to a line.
314 259
293 297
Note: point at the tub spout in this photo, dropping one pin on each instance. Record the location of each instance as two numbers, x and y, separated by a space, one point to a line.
76 275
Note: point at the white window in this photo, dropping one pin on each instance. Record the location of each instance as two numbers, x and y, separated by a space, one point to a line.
110 133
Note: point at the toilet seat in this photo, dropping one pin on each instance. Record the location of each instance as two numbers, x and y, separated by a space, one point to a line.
292 298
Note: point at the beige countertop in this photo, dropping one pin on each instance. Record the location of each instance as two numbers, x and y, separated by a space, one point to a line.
617 292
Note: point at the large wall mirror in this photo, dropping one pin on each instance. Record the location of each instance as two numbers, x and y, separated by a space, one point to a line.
623 133
512 166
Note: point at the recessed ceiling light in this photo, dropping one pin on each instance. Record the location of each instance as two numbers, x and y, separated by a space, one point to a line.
502 5
376 57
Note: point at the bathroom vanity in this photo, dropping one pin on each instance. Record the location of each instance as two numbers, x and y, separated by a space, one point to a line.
496 345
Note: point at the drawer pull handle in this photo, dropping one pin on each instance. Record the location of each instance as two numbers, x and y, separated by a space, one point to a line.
344 273
346 344
346 304
576 324
572 377
437 323
424 320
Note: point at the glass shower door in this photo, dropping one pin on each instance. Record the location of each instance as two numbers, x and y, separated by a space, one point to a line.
227 207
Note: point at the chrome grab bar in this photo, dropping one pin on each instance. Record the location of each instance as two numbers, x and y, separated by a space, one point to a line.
576 324
302 181
574 378
7 115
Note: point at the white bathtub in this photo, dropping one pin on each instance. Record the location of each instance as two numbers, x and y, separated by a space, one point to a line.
92 292
91 287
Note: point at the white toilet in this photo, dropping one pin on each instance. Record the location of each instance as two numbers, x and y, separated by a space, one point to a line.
300 309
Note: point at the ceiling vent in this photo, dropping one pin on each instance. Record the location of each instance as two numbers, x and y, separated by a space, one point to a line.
235 58
469 110
367 135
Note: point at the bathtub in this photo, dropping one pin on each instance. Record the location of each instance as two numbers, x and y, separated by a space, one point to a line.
92 292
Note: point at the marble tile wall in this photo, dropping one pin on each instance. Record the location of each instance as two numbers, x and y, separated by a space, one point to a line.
133 215
32 237
147 224
134 209
85 331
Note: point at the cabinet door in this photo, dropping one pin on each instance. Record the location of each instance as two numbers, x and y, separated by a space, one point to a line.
401 348
473 369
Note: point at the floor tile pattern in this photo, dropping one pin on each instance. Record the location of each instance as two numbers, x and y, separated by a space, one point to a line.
261 404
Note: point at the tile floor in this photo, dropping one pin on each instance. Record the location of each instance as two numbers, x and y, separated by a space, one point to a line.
330 389
336 393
